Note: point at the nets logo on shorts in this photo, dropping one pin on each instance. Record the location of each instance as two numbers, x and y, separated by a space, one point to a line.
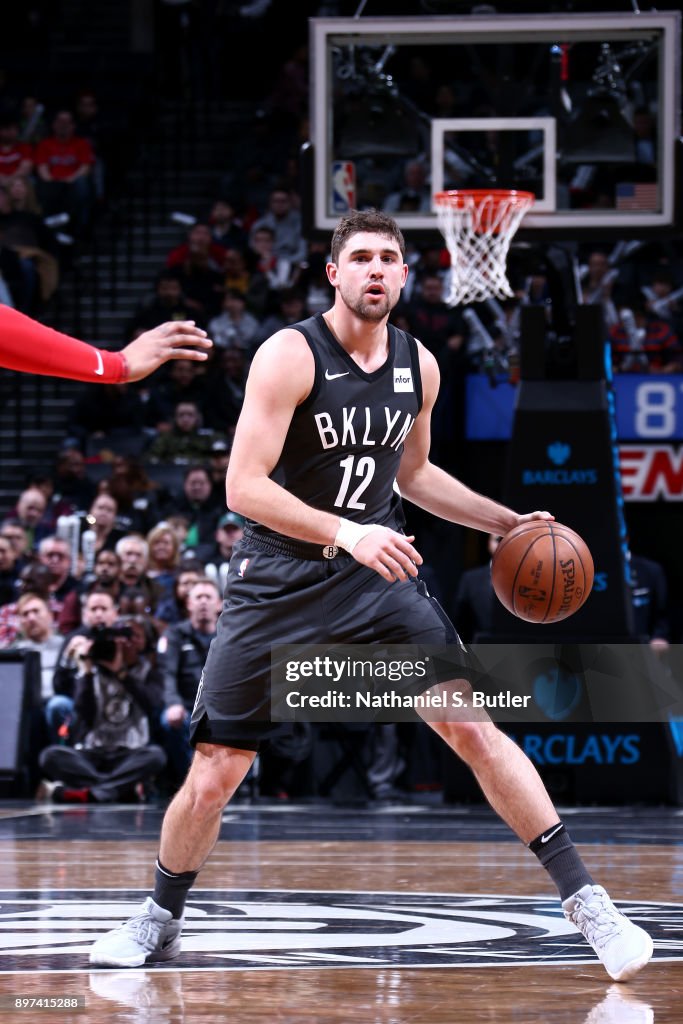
231 929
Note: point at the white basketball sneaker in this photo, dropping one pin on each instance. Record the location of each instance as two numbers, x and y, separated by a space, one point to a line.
622 946
150 936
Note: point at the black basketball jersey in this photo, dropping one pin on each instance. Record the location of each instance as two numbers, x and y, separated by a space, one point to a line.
344 444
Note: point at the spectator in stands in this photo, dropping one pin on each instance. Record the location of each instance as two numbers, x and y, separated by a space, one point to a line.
180 526
235 327
136 495
291 308
102 519
236 272
226 230
285 223
225 391
473 610
219 460
16 157
241 276
9 574
190 570
182 652
426 261
597 284
134 555
168 303
642 343
118 690
89 126
44 483
33 127
13 531
199 265
198 505
278 271
24 232
105 576
11 280
414 195
34 578
229 531
663 300
54 553
37 633
107 571
103 409
164 558
186 441
429 318
73 491
182 382
64 164
650 600
29 513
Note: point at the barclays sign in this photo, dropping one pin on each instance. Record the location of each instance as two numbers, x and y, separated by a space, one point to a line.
559 453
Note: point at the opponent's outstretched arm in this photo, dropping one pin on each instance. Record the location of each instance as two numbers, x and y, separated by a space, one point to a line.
32 347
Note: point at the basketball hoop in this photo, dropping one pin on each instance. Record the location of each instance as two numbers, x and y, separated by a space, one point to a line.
478 226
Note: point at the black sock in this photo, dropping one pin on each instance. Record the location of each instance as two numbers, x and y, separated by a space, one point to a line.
170 890
561 859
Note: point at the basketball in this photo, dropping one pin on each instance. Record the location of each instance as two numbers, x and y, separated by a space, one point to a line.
542 571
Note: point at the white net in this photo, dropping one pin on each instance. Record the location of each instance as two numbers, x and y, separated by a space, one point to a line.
478 226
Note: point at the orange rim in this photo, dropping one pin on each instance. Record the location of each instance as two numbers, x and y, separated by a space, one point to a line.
457 197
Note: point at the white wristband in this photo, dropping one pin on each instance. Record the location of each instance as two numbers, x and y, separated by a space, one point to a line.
349 534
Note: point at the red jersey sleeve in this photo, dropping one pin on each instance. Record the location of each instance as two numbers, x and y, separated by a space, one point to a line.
29 346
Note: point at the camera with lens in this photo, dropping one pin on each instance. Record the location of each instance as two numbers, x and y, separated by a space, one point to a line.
103 648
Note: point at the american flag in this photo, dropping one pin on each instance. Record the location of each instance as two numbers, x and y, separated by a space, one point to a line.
638 196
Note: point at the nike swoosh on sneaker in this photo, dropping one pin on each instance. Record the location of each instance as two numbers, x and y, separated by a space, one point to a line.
100 365
333 376
545 839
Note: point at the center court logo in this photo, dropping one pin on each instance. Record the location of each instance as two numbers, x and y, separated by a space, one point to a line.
231 929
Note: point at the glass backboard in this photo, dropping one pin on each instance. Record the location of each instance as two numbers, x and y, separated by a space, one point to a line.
581 109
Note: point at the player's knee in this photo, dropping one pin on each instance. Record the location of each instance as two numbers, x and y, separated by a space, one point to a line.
475 742
213 779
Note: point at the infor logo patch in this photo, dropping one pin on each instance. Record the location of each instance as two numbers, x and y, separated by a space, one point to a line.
403 378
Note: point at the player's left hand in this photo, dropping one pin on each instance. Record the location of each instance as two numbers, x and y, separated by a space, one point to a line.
528 517
177 339
389 553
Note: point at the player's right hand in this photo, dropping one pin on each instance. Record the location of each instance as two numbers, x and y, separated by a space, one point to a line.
390 554
177 339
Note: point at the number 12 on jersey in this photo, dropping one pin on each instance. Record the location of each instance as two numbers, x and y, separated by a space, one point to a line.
363 468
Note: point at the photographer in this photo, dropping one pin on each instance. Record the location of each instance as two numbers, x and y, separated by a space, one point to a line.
98 610
117 688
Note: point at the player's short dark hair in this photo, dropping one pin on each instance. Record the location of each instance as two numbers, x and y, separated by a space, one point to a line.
355 221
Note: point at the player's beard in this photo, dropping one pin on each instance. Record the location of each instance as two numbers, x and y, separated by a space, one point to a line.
364 310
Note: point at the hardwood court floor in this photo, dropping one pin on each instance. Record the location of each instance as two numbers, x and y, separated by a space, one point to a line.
329 915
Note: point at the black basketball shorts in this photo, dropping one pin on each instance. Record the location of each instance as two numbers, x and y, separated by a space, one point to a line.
276 598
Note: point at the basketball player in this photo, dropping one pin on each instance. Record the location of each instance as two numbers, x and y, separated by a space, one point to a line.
337 410
29 346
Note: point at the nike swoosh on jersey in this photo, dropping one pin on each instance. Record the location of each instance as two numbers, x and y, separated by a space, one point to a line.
100 365
333 376
545 839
